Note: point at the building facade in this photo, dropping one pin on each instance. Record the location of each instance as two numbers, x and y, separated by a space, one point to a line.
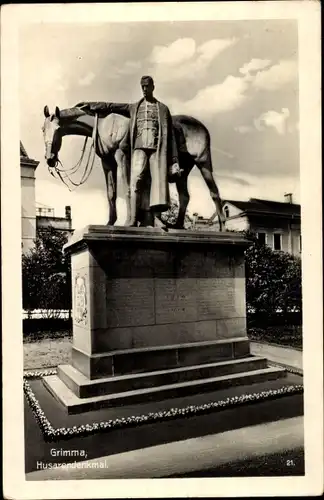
45 217
34 217
277 224
28 206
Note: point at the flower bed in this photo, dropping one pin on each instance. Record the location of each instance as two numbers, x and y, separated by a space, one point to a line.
51 434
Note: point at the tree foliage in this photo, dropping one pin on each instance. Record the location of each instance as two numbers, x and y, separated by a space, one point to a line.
273 280
171 215
46 274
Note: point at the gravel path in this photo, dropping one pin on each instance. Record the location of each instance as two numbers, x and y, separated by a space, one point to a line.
189 455
285 355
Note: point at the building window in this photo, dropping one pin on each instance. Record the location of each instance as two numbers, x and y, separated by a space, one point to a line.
277 243
226 211
262 237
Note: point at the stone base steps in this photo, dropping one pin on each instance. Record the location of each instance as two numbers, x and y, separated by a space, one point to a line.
162 357
84 388
74 404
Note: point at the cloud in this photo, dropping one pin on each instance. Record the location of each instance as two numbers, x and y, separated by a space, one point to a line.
277 76
243 129
222 152
87 79
226 96
211 49
129 68
235 179
266 187
42 84
178 51
183 59
273 119
254 65
293 127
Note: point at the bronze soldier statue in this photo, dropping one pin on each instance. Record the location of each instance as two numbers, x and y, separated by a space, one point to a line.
153 146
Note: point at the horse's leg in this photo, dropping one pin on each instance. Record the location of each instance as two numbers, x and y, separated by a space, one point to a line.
123 164
186 164
110 171
206 172
184 197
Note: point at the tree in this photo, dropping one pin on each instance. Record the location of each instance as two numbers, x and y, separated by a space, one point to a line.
46 274
273 280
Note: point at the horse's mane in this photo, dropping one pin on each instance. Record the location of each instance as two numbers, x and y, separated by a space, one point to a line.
74 112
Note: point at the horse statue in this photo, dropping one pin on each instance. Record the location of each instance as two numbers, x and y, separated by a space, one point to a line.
111 143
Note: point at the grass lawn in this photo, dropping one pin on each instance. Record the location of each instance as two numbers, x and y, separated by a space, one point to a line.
47 351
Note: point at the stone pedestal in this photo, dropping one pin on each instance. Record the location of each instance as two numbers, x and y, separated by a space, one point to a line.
151 307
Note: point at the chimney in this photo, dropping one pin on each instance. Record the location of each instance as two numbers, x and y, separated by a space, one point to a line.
288 198
68 212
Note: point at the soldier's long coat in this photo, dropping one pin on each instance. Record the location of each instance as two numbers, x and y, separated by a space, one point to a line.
167 153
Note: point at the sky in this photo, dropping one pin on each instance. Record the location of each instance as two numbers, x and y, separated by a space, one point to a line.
240 78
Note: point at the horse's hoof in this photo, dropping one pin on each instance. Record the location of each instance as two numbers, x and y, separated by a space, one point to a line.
130 224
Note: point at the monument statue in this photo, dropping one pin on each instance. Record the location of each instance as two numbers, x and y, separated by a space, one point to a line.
156 314
148 146
153 147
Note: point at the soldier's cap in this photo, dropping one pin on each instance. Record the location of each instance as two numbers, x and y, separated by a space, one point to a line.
147 79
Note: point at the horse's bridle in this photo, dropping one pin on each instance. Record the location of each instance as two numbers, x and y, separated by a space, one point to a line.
65 173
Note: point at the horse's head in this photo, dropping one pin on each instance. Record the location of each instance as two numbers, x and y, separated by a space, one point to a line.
52 136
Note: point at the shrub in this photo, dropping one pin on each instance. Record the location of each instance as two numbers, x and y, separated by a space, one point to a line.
273 281
46 274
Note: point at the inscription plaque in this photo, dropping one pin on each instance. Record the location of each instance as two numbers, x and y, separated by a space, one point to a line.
175 300
130 302
216 298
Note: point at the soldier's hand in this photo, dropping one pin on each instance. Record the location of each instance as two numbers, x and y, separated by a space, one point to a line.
175 170
85 106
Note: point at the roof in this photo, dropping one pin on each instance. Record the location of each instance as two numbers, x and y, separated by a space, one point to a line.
24 158
267 207
23 151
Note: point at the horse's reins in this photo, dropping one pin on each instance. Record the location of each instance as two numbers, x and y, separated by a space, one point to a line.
63 173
